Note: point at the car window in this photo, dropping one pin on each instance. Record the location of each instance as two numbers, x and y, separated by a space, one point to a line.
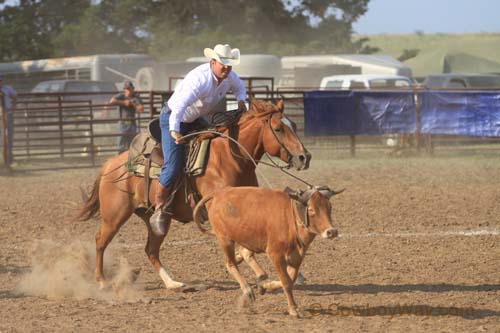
42 87
105 86
401 83
384 83
56 87
80 87
357 84
85 86
457 83
334 84
484 81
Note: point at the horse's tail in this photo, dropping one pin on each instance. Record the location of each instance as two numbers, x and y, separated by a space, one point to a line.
197 213
91 204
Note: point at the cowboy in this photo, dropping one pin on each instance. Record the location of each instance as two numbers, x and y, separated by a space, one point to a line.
196 96
130 103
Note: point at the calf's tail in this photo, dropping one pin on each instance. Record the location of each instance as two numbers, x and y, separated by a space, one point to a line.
197 212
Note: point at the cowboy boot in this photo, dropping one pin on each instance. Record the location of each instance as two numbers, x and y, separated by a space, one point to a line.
160 220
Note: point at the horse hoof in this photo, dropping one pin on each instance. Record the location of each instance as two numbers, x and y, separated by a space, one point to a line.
103 284
174 285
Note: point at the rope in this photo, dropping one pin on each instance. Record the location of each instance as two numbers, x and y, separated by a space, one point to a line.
274 164
282 169
234 141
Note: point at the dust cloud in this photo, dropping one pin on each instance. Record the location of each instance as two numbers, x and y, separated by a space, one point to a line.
67 271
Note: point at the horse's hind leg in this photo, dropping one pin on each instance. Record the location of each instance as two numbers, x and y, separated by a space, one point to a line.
103 237
153 252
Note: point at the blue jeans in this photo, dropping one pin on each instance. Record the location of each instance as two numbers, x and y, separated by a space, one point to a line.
128 130
173 154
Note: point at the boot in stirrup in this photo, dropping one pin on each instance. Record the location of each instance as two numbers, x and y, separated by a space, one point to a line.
160 220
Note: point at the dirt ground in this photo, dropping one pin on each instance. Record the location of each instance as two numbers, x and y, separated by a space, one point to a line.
418 251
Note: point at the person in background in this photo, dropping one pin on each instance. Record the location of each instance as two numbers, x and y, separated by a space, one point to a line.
10 98
130 103
196 96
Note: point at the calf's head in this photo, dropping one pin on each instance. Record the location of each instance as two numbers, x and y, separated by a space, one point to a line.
319 210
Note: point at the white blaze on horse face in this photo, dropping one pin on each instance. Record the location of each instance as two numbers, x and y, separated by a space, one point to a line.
169 282
287 122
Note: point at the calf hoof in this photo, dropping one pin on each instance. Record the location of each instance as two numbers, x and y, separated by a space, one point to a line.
294 312
249 294
261 289
247 299
300 280
262 277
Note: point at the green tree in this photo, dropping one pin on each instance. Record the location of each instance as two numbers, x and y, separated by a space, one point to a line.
27 30
175 29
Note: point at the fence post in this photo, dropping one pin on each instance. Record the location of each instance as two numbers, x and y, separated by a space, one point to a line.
419 119
352 140
5 143
151 105
61 132
92 145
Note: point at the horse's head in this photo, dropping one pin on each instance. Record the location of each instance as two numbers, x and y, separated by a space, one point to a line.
279 135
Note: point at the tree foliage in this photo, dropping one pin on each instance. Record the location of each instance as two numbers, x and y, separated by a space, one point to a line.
175 29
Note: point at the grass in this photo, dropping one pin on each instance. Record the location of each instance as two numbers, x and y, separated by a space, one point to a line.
433 48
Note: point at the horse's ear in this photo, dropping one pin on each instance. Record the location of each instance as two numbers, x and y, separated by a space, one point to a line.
281 104
251 101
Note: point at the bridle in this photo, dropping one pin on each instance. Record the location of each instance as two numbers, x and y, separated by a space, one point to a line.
283 148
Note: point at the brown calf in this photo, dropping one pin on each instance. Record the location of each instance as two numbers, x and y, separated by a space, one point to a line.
282 224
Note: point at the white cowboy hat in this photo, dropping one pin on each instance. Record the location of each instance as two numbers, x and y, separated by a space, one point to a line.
223 54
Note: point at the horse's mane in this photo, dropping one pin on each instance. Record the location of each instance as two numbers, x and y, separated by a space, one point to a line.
258 109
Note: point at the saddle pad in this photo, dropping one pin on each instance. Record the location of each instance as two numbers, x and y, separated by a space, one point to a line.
142 147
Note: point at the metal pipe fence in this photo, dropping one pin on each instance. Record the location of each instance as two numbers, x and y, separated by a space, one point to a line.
53 126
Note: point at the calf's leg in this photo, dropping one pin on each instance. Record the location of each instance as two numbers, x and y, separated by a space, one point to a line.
295 259
280 265
249 257
227 247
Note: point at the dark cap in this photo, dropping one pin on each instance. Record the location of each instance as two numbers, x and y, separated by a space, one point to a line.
128 85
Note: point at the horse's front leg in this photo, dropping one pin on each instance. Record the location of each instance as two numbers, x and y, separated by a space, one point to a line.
153 252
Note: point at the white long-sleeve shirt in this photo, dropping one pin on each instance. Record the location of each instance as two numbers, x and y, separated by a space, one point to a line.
199 93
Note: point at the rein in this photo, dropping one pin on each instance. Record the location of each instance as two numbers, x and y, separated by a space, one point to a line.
226 119
304 225
232 140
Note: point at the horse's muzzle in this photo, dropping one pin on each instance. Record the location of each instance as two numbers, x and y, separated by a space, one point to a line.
301 161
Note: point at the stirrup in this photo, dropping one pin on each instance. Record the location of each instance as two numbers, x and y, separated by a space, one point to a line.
159 222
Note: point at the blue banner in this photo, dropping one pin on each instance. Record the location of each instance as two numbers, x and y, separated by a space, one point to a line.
469 113
345 112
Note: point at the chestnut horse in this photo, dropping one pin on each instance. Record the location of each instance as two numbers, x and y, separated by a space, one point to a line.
116 194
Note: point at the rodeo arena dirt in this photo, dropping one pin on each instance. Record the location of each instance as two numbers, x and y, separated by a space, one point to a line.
417 250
